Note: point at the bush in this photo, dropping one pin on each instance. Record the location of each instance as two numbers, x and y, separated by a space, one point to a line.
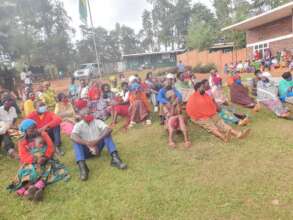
199 68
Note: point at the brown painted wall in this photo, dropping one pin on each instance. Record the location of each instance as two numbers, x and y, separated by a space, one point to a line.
193 58
271 30
281 45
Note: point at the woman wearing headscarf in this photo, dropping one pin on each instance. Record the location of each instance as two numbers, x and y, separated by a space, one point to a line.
240 94
38 167
286 88
267 94
103 106
139 109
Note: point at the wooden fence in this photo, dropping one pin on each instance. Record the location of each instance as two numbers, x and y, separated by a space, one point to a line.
194 57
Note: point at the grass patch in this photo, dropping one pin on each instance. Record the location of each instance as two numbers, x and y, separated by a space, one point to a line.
212 180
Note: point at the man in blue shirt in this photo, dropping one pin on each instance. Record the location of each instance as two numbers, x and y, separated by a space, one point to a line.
181 67
161 98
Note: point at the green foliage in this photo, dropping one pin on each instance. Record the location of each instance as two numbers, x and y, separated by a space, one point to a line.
199 68
211 180
201 34
37 31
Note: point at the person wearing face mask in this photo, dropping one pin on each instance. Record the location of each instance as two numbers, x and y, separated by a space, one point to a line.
240 95
202 110
38 167
8 118
286 88
64 109
89 137
48 121
161 97
267 94
28 105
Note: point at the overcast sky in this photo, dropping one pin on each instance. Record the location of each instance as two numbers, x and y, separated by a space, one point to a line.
107 13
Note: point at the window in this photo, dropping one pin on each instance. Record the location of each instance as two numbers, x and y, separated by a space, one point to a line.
261 48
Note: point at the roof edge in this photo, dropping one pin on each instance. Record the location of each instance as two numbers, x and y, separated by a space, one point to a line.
257 16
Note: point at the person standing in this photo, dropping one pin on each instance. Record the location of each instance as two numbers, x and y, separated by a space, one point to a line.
181 67
83 90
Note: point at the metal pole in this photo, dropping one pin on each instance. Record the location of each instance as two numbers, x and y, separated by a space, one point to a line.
94 38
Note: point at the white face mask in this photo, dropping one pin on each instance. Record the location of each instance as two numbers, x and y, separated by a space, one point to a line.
42 109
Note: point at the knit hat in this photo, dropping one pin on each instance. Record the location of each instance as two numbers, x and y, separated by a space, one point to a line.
26 124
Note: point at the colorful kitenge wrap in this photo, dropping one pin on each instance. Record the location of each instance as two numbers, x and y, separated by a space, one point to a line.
51 172
228 116
267 94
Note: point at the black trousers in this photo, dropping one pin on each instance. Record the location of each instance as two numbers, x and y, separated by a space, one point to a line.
7 142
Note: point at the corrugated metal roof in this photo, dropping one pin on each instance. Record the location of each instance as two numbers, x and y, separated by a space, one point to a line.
153 53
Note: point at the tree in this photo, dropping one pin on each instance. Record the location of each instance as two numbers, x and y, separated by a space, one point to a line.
147 32
223 10
201 35
182 18
37 32
260 6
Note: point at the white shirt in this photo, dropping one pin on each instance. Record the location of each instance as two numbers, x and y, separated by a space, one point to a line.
83 92
89 132
22 76
9 116
27 81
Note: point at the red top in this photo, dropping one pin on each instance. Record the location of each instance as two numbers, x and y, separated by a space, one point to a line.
200 107
48 118
144 86
94 93
23 149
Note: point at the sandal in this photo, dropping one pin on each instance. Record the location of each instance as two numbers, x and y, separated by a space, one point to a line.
30 193
38 195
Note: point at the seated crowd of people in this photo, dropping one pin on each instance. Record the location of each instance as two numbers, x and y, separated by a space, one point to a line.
83 112
283 59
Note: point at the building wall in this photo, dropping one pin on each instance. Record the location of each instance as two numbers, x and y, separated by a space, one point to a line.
271 30
281 45
193 58
150 61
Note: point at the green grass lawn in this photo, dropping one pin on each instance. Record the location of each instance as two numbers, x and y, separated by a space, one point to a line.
247 179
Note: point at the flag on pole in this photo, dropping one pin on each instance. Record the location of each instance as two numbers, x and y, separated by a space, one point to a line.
83 11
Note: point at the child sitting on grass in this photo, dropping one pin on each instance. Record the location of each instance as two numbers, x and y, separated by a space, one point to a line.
38 167
174 119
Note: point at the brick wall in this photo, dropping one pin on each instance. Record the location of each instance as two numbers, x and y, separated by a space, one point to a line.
193 58
271 30
280 45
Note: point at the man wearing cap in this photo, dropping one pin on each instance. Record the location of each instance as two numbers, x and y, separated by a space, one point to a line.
169 85
89 137
8 117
